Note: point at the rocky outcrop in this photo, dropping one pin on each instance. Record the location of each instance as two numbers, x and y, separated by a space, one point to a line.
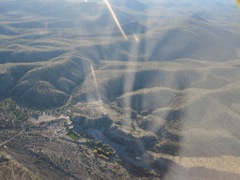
127 136
100 122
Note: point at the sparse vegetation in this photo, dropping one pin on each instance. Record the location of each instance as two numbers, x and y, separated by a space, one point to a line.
13 115
80 100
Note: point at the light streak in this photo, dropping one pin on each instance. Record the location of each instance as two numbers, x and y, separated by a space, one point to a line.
97 89
95 82
136 38
115 19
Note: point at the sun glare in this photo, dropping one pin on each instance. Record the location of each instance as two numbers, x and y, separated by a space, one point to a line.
238 3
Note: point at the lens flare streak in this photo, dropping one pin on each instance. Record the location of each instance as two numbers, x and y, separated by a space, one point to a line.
115 19
95 82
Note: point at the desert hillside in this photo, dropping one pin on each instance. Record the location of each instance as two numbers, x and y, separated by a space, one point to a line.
119 89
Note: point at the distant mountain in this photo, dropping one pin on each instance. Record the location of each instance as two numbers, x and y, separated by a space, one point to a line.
194 38
132 28
132 4
190 38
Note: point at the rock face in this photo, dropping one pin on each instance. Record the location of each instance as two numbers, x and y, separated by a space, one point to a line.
84 122
121 134
135 138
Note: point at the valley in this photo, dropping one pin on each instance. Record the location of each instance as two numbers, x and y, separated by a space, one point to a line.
79 99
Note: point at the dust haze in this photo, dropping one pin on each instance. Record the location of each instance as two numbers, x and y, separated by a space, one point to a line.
119 89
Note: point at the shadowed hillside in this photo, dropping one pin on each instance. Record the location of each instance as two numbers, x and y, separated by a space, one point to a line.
43 84
133 89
